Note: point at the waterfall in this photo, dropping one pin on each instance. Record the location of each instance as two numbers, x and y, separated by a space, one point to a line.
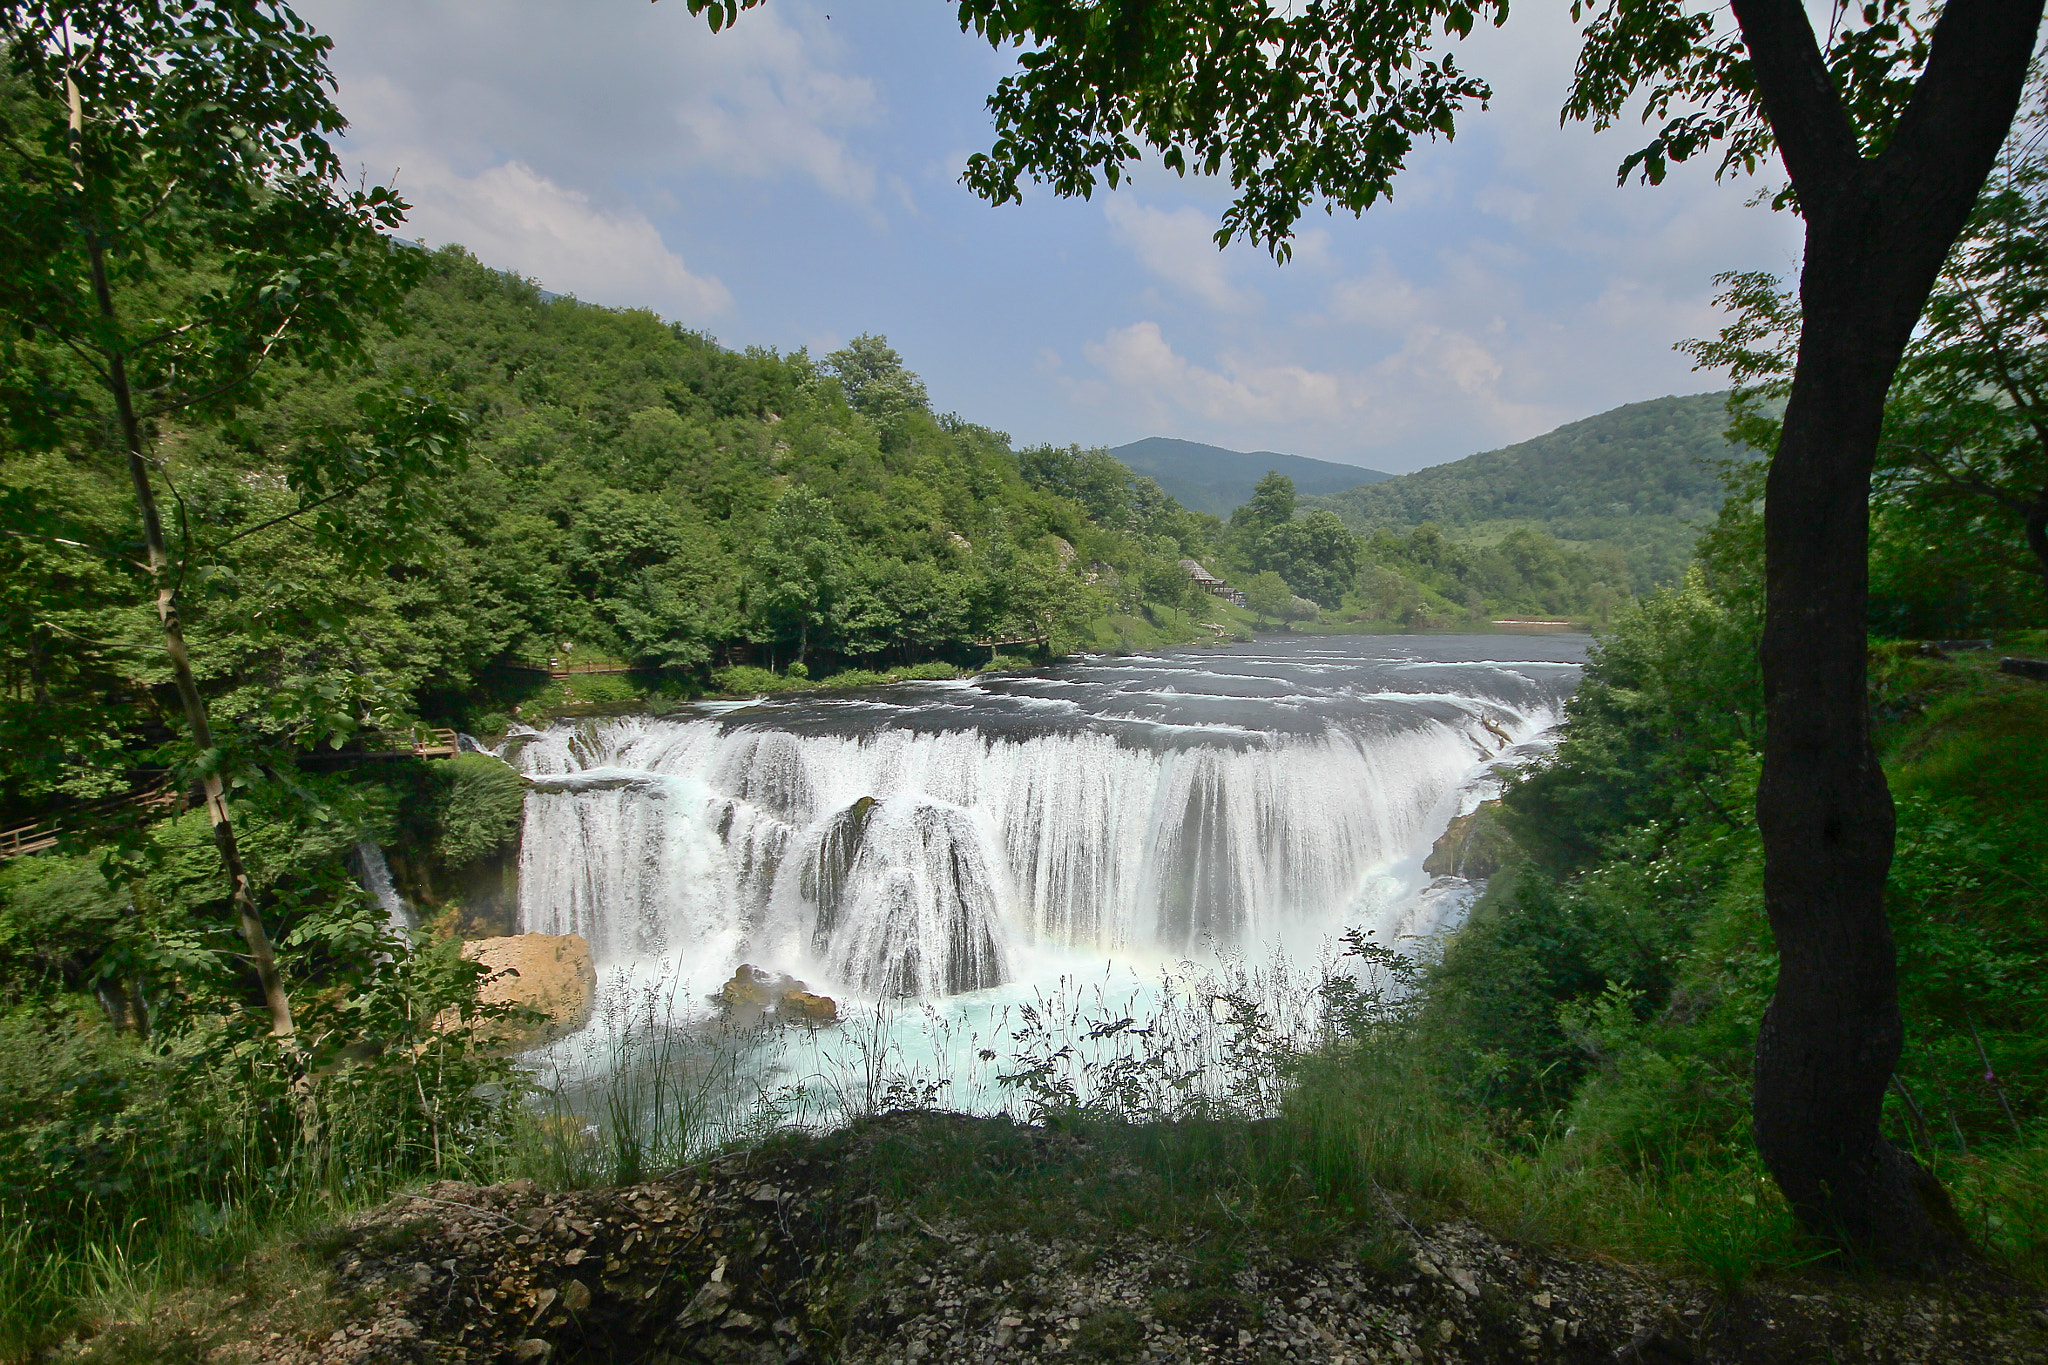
907 856
375 875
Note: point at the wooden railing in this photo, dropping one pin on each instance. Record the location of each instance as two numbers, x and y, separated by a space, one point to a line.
27 839
42 835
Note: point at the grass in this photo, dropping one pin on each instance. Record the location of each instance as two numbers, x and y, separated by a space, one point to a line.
746 680
135 1173
1223 1129
1290 1141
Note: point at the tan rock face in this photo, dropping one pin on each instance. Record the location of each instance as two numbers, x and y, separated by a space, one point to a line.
818 1009
551 973
755 993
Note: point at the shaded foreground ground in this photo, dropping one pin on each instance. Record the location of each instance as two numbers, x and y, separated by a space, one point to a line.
870 1245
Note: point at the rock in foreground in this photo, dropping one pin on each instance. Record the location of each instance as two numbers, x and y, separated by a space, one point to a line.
780 1256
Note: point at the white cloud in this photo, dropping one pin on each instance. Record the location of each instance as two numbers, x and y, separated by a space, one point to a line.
600 98
1382 299
1179 246
513 218
767 107
1438 374
1138 360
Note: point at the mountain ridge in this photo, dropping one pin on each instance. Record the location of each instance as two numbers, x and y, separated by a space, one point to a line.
1643 477
1215 479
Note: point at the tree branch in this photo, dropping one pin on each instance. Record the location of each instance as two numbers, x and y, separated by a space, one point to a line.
1950 130
349 491
1815 137
242 377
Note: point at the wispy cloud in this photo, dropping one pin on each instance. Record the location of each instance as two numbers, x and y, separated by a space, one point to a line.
1179 247
601 99
1435 374
513 218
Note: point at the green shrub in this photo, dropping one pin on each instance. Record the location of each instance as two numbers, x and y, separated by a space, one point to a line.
598 689
59 916
481 812
745 680
171 1154
1671 706
856 677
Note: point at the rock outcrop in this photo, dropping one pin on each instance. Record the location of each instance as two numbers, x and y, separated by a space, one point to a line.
784 1255
552 974
1474 846
754 993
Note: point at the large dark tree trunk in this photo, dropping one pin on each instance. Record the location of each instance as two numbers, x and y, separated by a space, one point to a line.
1878 229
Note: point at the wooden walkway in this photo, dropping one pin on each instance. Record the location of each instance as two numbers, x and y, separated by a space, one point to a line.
577 670
42 835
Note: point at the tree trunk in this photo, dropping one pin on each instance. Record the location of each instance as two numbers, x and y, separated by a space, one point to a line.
241 892
1878 229
2037 535
1830 1040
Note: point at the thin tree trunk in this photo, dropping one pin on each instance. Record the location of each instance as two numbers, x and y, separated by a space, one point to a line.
2037 535
1878 229
241 893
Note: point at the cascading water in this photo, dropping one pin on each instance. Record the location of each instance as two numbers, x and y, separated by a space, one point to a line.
923 841
375 875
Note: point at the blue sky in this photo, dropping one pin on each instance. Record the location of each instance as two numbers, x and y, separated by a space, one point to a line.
794 182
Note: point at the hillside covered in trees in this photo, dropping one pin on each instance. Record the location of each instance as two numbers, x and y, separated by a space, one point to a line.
1212 479
1640 478
631 491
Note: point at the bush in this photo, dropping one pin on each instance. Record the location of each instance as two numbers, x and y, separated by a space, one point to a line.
482 809
1670 709
182 1148
745 680
58 917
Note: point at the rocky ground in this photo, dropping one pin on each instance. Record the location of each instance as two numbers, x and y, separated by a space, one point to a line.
785 1255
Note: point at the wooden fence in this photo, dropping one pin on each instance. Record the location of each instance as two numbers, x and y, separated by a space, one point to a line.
41 835
555 670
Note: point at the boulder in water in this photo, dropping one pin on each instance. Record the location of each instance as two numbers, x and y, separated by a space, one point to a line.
751 988
811 1009
755 993
1475 846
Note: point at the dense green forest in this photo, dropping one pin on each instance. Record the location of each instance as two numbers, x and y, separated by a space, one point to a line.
1639 480
632 492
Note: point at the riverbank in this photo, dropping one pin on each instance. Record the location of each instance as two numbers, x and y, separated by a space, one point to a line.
932 1237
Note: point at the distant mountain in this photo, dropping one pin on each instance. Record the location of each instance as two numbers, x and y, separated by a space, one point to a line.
1212 479
1642 477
